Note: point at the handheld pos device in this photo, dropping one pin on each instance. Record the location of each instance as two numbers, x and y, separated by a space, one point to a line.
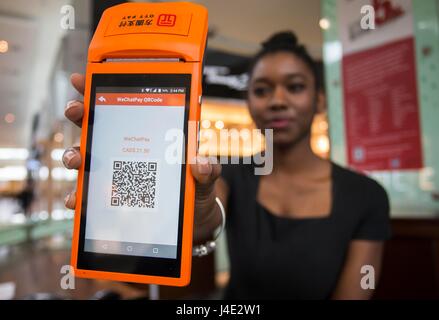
135 192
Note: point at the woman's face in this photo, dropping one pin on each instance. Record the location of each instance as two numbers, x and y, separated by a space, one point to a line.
282 96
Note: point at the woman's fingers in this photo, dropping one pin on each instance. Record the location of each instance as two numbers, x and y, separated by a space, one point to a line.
78 81
70 200
72 158
75 111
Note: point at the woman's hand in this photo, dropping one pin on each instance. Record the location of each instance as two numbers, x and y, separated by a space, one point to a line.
204 171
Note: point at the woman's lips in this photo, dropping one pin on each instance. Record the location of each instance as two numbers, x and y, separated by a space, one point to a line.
279 123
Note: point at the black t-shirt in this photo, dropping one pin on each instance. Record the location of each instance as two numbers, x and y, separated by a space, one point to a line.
286 258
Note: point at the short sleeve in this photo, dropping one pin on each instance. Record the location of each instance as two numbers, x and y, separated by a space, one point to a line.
375 224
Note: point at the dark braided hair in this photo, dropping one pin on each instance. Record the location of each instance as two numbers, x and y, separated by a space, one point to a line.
286 41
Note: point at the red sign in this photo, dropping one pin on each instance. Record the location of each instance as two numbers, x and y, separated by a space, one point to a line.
386 11
381 108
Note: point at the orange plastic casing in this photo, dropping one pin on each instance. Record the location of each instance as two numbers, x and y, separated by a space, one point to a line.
174 31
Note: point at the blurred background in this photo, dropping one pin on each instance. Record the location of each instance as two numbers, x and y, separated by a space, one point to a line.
395 67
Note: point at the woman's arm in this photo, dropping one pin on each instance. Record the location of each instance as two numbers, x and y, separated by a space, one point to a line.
207 213
360 253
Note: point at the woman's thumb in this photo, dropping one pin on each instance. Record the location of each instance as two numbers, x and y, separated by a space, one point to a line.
205 170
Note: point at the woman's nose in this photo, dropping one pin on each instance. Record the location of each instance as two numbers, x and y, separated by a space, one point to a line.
278 99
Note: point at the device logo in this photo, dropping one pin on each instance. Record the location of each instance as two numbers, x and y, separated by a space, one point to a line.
166 20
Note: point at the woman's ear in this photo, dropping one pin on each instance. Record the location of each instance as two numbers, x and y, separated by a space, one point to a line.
321 102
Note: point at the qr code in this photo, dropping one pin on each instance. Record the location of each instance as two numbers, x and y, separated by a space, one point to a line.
134 184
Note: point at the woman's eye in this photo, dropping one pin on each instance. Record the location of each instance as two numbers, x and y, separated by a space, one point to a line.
295 88
260 92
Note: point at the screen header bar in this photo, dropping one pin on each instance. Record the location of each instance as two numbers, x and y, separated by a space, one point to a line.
139 99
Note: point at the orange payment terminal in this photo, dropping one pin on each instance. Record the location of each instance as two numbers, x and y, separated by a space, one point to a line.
135 194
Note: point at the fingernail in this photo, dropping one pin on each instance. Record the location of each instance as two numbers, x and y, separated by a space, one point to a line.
66 199
205 169
204 166
70 104
67 157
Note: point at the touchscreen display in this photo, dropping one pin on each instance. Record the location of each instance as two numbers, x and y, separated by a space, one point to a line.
135 161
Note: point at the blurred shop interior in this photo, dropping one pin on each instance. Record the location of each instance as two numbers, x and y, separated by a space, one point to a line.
37 57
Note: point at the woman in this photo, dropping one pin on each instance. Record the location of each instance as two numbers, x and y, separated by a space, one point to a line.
306 230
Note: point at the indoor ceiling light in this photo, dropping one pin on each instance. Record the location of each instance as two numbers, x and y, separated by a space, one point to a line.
206 124
322 144
324 23
57 154
10 118
58 137
4 46
219 125
13 154
13 173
